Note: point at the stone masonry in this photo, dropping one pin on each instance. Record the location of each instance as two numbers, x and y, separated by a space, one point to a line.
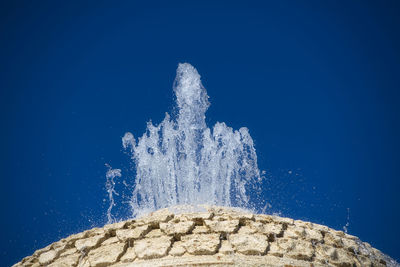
215 236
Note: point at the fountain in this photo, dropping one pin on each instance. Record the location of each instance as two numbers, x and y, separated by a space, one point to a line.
185 172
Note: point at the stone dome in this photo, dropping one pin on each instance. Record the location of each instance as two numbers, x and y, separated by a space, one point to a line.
208 236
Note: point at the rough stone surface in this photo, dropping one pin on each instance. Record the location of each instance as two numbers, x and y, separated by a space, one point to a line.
201 244
47 257
109 241
71 260
226 248
129 256
88 243
135 233
171 228
106 255
249 244
217 236
229 226
177 249
201 230
151 248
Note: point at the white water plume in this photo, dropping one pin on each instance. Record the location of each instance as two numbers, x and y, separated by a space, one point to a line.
182 161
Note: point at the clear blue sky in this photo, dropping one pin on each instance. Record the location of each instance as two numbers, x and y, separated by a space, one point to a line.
316 82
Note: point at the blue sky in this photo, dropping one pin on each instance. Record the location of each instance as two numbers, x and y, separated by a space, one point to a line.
316 82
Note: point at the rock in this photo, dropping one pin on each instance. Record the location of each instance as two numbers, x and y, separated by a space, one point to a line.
177 249
200 216
272 229
313 235
351 245
162 215
151 248
333 240
109 241
59 246
201 244
342 258
113 227
89 243
84 262
171 228
95 232
281 246
200 230
29 260
275 250
38 252
105 255
294 232
240 216
67 261
321 228
247 230
303 224
154 233
336 256
135 233
302 250
226 248
129 255
47 257
223 226
281 220
255 244
365 261
68 252
263 218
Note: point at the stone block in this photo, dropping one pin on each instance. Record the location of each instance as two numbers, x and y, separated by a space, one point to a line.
110 240
313 235
47 257
177 249
201 244
226 248
171 228
68 252
223 226
200 230
151 248
294 232
115 226
89 243
154 233
68 261
156 217
129 255
106 255
135 233
271 229
302 250
332 239
281 246
255 244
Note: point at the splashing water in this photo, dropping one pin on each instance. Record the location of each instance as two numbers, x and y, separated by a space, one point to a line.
182 161
110 186
346 226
